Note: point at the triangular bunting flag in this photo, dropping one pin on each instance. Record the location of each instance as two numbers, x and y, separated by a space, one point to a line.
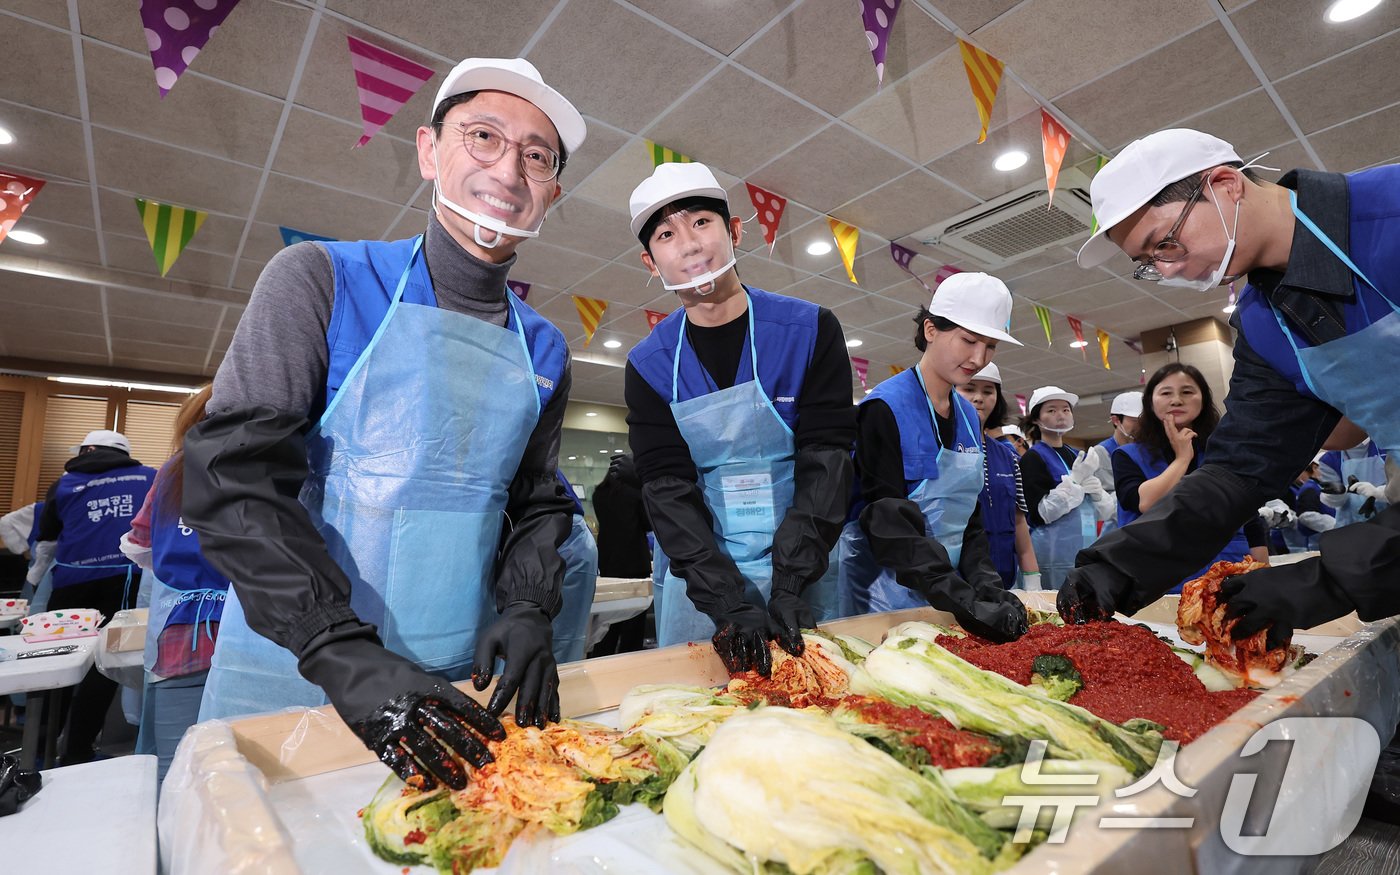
522 290
661 155
895 370
770 212
169 229
878 17
1103 347
590 313
1078 328
16 194
1021 402
846 237
984 75
1094 220
653 319
1054 143
291 236
943 273
903 257
386 82
862 367
1044 316
176 31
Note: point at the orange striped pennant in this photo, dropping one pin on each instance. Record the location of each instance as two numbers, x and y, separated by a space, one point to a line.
590 313
984 75
846 237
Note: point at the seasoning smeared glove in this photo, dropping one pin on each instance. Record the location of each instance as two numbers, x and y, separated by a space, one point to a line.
523 638
741 639
789 615
1283 598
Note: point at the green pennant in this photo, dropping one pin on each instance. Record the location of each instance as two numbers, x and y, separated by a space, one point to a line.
1044 316
169 229
662 155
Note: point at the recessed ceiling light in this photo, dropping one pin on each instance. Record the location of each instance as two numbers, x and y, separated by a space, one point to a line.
612 344
855 342
615 452
591 413
820 247
573 458
6 138
1008 161
602 451
1346 10
27 237
1076 344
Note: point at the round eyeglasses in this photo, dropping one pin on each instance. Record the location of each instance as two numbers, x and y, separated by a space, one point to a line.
488 145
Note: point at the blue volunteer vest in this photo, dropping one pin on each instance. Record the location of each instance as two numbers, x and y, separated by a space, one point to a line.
97 510
181 567
998 503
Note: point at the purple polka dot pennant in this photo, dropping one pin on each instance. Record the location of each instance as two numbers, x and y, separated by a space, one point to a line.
878 16
176 31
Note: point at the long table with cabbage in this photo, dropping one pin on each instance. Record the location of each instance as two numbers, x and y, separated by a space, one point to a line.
853 759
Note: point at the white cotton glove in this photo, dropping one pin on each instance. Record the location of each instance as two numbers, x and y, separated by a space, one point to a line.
42 561
1085 467
1277 514
1104 464
142 556
1030 581
1061 500
1318 522
1367 490
1105 506
1093 488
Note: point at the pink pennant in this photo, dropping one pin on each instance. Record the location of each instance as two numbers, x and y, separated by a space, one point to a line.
1021 402
1078 328
878 17
653 319
770 208
903 257
176 31
16 194
862 367
522 290
944 272
386 82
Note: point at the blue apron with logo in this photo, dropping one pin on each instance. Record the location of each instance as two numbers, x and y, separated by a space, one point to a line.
580 555
1057 543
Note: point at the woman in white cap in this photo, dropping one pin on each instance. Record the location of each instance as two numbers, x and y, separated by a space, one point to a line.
383 410
1170 440
1317 340
1003 499
918 536
740 417
1064 498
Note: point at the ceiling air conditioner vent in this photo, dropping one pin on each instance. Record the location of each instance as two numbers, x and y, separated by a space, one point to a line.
1017 225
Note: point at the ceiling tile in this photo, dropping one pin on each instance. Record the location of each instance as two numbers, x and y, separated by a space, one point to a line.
65 243
869 310
823 292
172 176
1368 140
43 10
876 271
412 223
160 353
1094 294
445 27
536 261
617 284
613 181
218 234
971 166
971 15
1286 35
164 308
302 205
54 344
1287 157
931 112
601 144
36 68
1052 44
1053 281
829 170
904 205
587 227
757 122
34 317
130 253
19 290
758 270
264 241
1131 318
635 84
318 149
723 25
158 331
1344 87
1050 258
248 272
1193 74
60 201
820 52
45 145
1251 124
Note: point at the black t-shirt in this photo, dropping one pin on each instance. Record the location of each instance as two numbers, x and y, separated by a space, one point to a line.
1038 480
880 455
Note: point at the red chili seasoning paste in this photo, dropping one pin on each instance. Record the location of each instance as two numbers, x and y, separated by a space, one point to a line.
947 746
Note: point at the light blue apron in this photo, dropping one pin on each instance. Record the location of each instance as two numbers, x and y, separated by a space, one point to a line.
410 465
743 452
580 555
947 504
1349 373
1057 543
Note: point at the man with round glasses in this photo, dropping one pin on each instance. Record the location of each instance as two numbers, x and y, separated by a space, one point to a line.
376 473
1317 352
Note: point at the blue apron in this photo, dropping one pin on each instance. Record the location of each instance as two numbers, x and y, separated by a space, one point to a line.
1110 444
1151 466
743 453
1301 538
185 588
580 555
96 510
1057 543
946 496
998 503
409 469
1368 467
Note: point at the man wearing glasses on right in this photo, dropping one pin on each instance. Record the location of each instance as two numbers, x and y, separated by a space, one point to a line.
1318 345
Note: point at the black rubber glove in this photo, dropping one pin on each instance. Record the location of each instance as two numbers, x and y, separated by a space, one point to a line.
988 612
741 639
1093 592
16 787
416 723
788 615
523 639
1284 598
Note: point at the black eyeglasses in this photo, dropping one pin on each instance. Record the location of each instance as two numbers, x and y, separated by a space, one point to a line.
1169 249
488 145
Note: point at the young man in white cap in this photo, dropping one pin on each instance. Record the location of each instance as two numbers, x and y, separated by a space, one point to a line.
86 512
918 536
1318 340
740 417
1123 416
385 425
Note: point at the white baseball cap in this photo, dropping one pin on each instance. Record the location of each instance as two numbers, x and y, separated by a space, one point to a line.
519 77
669 183
104 438
1142 169
1012 429
1051 393
977 302
991 373
1127 404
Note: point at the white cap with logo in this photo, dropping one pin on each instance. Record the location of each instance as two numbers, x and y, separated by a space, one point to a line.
1051 393
104 438
669 183
977 302
1139 172
1127 404
991 373
519 77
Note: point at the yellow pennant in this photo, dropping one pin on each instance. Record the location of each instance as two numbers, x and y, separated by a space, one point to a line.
1103 348
846 237
590 313
895 370
662 155
984 75
169 230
